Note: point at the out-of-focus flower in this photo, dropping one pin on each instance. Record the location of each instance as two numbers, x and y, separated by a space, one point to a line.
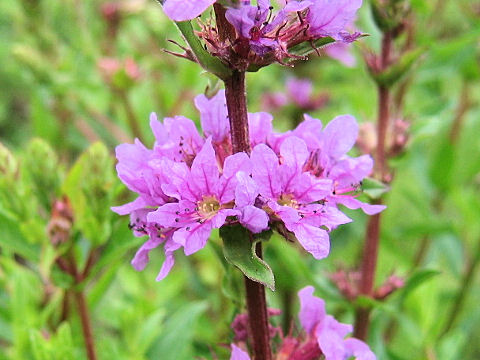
342 52
328 332
299 93
238 354
119 74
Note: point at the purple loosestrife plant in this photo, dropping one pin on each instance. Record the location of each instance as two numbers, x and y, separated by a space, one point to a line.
189 184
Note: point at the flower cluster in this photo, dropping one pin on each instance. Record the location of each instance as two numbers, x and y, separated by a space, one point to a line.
263 35
191 183
323 335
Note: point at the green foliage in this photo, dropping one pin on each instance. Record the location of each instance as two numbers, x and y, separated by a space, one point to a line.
61 117
239 249
90 185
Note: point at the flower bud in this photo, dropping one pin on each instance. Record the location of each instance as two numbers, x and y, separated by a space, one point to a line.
41 167
61 221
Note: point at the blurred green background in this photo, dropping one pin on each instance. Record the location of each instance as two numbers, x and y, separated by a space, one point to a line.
77 73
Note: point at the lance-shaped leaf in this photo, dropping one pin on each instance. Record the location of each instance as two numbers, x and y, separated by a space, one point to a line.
394 73
239 250
373 188
307 47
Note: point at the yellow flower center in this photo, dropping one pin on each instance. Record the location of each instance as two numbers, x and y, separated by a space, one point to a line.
208 206
288 200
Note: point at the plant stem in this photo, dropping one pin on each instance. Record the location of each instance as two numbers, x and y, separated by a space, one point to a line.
237 111
69 266
86 325
256 302
383 109
369 265
131 117
372 235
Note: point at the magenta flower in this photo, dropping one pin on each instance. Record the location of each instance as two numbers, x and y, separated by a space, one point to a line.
300 91
292 195
329 333
214 117
189 183
238 354
342 52
256 24
330 17
328 159
205 198
182 10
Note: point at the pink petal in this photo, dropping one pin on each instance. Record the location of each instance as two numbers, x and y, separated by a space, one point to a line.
312 309
182 10
339 136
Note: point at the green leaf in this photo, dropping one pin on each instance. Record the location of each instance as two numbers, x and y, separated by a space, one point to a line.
41 166
399 69
417 279
441 170
374 188
305 48
239 250
177 334
90 185
13 239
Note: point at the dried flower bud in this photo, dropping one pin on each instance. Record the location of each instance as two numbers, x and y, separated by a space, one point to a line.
367 138
119 74
392 284
61 221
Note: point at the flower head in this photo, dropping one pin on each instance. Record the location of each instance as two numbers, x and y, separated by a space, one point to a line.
293 195
190 182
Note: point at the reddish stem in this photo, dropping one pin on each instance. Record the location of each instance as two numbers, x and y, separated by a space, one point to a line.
258 316
86 325
237 111
69 265
236 99
372 236
256 301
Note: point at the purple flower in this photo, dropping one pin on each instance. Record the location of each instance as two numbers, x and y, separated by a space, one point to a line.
238 354
341 51
205 198
213 116
182 10
256 24
329 333
328 159
330 17
291 194
300 91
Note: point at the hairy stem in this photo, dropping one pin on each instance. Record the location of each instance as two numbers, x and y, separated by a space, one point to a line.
256 301
237 111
